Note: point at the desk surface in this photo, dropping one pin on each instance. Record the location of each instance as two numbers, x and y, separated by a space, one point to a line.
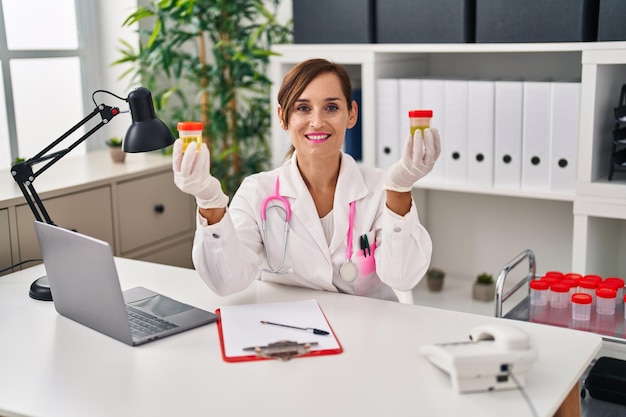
52 366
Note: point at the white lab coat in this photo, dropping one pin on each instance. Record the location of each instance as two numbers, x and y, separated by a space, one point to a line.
229 255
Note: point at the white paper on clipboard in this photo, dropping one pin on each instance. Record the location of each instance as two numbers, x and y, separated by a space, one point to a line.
242 328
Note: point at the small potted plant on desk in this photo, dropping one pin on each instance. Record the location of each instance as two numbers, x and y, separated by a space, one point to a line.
484 288
115 149
434 279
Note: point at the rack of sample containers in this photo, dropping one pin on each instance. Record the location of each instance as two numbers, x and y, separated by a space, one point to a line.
585 302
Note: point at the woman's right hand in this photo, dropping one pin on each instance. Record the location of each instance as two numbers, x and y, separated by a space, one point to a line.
418 159
193 176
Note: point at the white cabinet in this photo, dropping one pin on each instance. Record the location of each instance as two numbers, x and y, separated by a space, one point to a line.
478 229
152 210
600 206
176 254
87 212
135 206
6 259
156 220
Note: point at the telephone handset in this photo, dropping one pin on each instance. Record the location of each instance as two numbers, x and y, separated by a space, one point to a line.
497 356
504 336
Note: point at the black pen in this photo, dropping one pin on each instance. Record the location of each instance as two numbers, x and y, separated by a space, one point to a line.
306 329
362 245
367 246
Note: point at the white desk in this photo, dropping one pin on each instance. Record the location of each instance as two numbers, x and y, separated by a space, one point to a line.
51 366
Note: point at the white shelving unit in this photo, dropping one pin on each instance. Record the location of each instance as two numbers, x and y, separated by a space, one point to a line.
478 229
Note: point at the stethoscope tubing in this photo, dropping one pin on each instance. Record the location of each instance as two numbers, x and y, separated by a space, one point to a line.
276 196
286 207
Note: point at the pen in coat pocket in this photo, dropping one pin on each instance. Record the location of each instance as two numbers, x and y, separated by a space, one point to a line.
365 245
307 329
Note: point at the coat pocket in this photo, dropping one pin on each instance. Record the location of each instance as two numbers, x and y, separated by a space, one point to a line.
367 280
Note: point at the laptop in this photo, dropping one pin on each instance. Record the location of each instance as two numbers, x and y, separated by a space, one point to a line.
85 288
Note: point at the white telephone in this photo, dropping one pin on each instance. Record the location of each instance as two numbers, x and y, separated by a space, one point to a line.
496 357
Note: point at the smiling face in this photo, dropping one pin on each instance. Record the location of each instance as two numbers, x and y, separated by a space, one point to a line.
319 117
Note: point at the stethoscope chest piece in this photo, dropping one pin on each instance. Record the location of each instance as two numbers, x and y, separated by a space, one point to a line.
348 271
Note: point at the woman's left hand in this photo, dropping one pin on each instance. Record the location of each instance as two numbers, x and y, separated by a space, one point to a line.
418 159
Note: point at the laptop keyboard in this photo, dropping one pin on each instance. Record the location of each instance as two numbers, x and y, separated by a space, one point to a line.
142 325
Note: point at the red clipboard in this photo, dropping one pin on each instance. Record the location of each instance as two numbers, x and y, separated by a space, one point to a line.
245 357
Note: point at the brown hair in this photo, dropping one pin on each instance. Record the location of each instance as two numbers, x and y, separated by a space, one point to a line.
299 77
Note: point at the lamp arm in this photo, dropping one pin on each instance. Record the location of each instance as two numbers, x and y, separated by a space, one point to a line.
24 175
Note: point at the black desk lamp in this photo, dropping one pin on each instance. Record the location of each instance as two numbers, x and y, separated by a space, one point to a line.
146 133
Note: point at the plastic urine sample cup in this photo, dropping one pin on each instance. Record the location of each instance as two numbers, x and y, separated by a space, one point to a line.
618 284
190 132
574 276
605 301
419 119
595 277
581 306
559 295
539 291
550 279
557 274
588 286
573 285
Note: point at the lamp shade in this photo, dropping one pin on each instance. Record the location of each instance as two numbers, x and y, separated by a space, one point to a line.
146 133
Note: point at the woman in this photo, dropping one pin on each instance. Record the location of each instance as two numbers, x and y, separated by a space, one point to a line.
335 207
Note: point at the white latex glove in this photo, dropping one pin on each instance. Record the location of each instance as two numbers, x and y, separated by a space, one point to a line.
418 159
192 175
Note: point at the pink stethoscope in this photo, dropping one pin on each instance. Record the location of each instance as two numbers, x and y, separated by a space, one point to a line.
348 270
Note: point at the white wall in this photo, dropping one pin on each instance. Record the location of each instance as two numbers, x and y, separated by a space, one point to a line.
285 11
111 16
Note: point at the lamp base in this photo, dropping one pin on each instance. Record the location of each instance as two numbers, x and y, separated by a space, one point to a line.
40 289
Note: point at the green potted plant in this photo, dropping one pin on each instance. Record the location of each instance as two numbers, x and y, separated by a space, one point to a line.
206 60
484 288
115 149
434 279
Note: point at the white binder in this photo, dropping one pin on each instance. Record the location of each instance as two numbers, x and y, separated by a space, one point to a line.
564 136
480 133
388 137
454 147
432 98
536 136
508 134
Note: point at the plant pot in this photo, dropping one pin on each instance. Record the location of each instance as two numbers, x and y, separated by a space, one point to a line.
434 284
117 154
484 292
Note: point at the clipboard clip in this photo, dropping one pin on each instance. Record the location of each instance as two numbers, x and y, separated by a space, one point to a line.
283 350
